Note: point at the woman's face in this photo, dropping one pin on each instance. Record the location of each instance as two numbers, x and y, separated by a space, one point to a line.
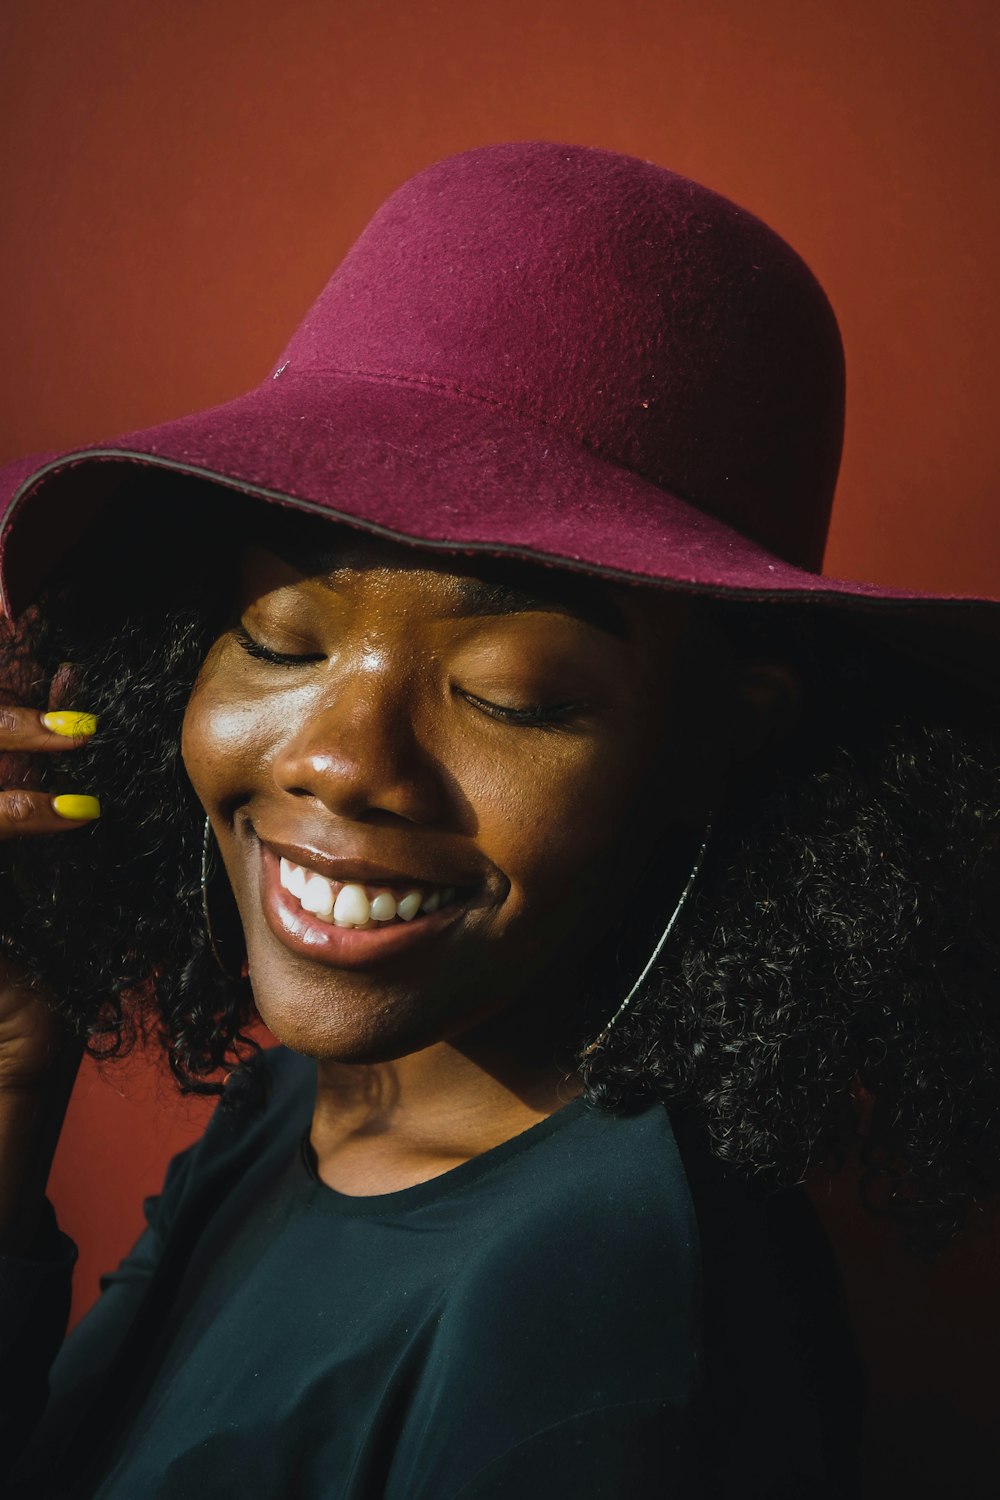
503 740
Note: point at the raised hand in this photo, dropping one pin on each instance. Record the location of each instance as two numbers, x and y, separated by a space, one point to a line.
32 1041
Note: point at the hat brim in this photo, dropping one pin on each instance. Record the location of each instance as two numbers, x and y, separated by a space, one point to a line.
422 464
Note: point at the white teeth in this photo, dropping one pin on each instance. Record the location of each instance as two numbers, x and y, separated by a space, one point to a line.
384 907
409 906
293 877
352 908
317 896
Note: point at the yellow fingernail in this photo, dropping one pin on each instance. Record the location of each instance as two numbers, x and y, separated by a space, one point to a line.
72 805
70 724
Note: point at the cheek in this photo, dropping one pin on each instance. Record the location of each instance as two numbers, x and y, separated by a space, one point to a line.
562 821
221 738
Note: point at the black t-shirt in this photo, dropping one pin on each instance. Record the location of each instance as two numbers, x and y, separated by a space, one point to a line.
591 1309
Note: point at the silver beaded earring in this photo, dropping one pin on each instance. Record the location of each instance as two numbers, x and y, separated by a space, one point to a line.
244 971
599 1040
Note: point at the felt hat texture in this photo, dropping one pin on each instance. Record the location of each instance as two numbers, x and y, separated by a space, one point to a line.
554 351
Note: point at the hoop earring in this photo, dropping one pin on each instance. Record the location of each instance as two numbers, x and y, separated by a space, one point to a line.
245 970
599 1040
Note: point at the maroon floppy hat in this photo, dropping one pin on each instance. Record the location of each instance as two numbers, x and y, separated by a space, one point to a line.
557 352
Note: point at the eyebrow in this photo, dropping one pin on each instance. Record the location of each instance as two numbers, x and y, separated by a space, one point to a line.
485 597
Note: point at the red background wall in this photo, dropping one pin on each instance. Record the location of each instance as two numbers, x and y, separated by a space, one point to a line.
177 180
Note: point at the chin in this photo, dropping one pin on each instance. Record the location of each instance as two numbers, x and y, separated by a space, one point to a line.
344 1016
345 1028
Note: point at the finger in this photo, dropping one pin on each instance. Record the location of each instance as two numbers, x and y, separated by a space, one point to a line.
25 812
32 729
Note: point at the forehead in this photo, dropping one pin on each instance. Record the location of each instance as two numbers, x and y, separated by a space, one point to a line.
478 584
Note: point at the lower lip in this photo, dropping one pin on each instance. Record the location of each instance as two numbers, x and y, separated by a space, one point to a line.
342 947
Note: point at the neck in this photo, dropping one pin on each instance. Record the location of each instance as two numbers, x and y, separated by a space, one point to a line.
377 1126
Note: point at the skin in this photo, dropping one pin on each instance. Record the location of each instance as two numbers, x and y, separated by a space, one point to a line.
382 744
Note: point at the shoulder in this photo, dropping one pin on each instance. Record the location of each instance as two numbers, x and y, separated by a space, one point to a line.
583 1277
234 1138
608 1190
568 1317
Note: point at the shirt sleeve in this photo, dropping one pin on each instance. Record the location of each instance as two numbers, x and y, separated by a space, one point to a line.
34 1310
49 1381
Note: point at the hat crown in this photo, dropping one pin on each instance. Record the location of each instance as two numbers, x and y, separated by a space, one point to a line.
644 315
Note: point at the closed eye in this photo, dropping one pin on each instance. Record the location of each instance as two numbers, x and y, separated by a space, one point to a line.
278 658
535 715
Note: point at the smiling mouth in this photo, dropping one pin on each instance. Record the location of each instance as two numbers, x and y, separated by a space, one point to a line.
363 907
352 928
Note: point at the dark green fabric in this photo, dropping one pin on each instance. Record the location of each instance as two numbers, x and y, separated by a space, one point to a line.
533 1322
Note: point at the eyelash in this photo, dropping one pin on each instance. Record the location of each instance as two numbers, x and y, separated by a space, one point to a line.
277 658
537 716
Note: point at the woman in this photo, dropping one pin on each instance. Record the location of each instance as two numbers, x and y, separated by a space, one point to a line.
594 861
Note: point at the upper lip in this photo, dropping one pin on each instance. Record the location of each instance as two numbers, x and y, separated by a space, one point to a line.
362 871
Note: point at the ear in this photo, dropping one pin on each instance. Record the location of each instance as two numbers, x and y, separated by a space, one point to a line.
766 704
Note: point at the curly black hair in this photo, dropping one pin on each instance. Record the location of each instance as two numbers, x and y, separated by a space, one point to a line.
834 971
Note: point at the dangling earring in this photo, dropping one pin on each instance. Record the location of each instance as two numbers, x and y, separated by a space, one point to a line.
599 1040
245 969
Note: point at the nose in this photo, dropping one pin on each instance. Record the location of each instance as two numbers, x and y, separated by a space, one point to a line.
357 752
